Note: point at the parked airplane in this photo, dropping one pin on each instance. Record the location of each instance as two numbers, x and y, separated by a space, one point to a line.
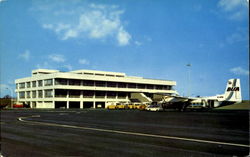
232 95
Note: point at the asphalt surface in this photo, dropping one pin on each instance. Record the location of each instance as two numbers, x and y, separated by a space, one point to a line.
97 133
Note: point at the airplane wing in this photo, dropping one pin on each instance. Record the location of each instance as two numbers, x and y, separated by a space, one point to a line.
176 102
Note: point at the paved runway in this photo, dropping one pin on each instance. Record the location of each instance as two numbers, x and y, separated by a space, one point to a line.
123 133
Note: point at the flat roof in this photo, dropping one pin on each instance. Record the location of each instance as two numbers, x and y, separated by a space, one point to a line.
92 75
96 72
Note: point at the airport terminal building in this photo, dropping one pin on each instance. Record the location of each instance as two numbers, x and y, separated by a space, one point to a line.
87 89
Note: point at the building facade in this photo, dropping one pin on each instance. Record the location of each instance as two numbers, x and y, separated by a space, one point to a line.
86 89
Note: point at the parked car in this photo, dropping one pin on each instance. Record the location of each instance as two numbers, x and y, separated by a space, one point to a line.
99 106
154 108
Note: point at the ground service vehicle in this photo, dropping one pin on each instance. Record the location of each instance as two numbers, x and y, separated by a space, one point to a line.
18 106
137 106
111 106
120 106
142 107
131 106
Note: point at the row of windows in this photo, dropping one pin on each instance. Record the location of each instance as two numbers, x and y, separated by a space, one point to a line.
110 84
71 94
36 94
39 83
89 94
72 82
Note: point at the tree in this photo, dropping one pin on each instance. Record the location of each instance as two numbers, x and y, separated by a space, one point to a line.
7 97
5 101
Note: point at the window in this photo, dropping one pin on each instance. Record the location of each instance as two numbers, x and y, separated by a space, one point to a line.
60 81
141 86
75 82
119 75
88 73
48 93
100 83
122 95
88 83
40 83
150 86
99 74
74 93
131 85
40 94
110 75
16 85
111 84
111 94
122 85
60 93
88 94
21 85
21 95
159 87
167 87
100 94
33 83
28 84
48 82
28 94
33 94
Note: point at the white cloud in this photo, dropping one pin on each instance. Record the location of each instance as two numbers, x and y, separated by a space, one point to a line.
68 66
138 43
197 7
44 65
70 34
84 21
235 37
57 58
239 71
25 55
123 37
229 5
58 66
2 1
148 38
83 61
48 26
3 87
236 9
238 36
6 90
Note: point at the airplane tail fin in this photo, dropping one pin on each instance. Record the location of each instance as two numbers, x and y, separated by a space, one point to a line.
233 91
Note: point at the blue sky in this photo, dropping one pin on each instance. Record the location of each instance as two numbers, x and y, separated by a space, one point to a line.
152 39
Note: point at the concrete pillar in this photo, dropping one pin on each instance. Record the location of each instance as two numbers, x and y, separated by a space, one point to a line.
81 94
53 93
94 104
105 96
81 104
67 106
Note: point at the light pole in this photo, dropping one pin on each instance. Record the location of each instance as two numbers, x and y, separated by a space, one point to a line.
189 79
11 96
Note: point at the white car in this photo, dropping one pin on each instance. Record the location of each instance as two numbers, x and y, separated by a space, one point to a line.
154 108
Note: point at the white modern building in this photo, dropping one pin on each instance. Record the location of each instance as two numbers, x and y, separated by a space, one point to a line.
87 88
